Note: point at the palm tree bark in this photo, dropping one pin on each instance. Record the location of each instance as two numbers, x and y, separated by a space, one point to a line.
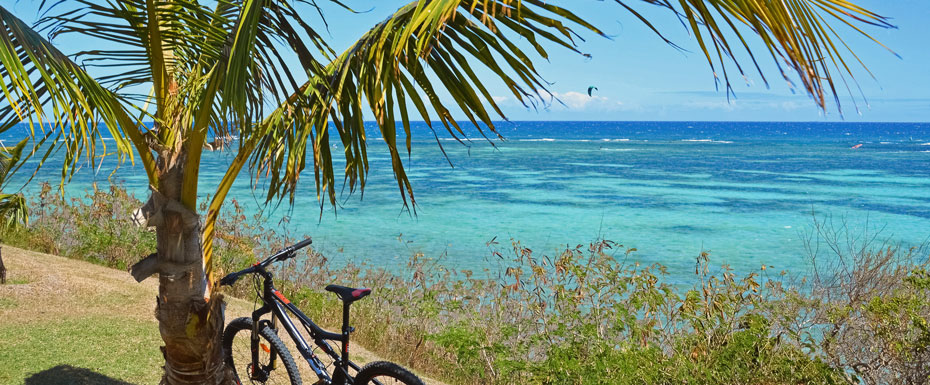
190 321
2 270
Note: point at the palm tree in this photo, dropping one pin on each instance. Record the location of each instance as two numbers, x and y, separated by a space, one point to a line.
13 211
214 69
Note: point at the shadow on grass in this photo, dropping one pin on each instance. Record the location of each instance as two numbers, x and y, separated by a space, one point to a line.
67 374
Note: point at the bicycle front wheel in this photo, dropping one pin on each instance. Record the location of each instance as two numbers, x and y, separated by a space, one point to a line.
275 364
385 373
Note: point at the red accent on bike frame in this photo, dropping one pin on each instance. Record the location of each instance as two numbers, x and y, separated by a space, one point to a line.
281 297
358 292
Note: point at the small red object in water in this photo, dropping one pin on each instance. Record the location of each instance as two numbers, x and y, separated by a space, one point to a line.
857 146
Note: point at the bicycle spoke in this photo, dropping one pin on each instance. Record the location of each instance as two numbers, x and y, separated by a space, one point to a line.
268 371
386 380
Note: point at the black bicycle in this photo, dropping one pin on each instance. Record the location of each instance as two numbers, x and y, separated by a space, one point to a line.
256 354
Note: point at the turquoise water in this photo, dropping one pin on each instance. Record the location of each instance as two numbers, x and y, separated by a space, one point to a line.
743 191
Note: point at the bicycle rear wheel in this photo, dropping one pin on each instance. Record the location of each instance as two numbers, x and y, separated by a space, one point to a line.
275 364
386 373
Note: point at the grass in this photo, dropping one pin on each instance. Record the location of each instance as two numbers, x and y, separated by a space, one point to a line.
65 321
57 322
107 345
8 303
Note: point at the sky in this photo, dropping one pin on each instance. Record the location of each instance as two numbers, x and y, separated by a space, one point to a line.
639 77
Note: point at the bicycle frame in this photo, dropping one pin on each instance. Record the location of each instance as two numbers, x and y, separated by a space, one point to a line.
276 304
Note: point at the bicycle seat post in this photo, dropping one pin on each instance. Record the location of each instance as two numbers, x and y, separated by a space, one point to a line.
346 329
347 295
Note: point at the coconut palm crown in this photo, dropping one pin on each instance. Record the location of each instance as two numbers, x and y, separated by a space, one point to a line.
218 69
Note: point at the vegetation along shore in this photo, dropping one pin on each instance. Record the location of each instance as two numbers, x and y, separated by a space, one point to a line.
586 315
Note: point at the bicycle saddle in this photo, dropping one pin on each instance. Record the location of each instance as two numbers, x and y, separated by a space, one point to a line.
348 294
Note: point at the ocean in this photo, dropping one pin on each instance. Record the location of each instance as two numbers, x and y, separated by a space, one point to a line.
745 192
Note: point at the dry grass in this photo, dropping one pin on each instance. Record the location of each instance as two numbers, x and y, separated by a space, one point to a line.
65 312
69 321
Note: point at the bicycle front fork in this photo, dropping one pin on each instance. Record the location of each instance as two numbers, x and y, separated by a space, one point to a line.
257 372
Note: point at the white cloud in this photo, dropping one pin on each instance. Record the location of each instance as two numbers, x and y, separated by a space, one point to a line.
499 99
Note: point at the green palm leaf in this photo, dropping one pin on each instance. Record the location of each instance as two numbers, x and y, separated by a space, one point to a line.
13 210
57 98
10 161
797 34
393 67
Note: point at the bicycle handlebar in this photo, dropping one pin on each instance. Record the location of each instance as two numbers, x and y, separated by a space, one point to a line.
285 254
302 244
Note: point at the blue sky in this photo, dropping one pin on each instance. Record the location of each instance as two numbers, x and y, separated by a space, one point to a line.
639 77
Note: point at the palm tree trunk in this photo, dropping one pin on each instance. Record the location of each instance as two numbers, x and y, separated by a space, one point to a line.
190 321
2 271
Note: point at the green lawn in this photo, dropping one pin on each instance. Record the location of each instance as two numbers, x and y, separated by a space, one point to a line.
64 321
55 351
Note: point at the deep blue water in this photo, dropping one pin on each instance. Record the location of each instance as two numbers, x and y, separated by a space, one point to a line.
743 191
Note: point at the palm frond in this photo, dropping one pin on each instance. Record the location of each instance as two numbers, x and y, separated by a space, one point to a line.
210 70
13 210
10 161
425 49
250 69
798 34
55 97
